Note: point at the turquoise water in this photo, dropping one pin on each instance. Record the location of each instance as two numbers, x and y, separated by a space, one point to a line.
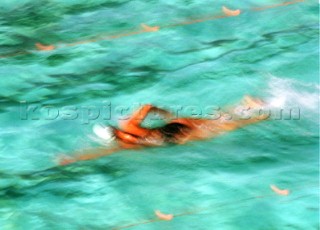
221 183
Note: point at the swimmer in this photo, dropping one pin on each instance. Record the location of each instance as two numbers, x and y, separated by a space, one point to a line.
131 135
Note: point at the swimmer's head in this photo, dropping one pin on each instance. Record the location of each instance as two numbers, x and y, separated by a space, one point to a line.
173 132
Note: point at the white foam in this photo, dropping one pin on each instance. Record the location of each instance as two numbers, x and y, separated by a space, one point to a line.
277 102
288 93
104 134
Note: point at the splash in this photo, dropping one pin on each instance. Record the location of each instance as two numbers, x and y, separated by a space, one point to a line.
104 135
292 93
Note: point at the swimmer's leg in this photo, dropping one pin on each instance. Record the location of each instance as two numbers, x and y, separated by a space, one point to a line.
250 112
252 102
248 107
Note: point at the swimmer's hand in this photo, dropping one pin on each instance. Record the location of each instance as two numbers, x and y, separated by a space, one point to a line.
65 160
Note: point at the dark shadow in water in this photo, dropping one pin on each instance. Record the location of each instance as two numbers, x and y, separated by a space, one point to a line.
55 179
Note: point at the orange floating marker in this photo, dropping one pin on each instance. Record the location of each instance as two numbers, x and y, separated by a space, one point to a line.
163 216
147 28
281 192
229 12
44 47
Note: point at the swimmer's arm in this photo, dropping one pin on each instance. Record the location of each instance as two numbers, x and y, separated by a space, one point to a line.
138 116
133 125
87 155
